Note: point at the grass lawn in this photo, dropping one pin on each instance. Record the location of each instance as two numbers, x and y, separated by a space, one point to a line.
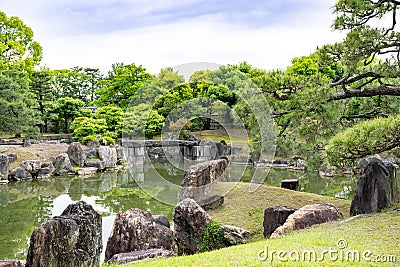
366 238
376 235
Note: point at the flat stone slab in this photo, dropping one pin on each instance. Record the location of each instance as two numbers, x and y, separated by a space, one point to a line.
150 254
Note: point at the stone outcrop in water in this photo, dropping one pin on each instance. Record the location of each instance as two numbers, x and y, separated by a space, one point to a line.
136 230
307 216
189 223
4 165
377 188
108 154
200 178
20 174
72 239
62 165
76 154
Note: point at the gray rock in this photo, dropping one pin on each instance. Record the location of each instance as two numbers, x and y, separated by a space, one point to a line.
76 154
149 254
275 217
376 189
189 223
4 166
91 153
162 220
234 235
200 178
307 216
20 174
12 158
62 165
120 153
72 239
99 164
108 154
136 230
86 171
44 173
32 166
12 263
26 142
93 144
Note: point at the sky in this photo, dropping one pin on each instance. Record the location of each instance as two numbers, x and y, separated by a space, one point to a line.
165 33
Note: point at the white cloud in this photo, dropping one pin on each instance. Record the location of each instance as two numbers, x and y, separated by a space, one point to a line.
261 37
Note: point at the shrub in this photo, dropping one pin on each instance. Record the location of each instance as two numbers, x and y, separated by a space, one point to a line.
106 140
213 237
366 138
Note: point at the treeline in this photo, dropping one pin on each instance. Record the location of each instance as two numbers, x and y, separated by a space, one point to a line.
316 103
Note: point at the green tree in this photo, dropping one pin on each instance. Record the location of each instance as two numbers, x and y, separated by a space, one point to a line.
41 87
77 82
67 109
120 86
156 86
84 126
364 139
17 46
142 120
114 118
18 105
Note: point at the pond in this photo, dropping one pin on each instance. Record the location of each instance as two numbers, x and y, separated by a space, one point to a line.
27 204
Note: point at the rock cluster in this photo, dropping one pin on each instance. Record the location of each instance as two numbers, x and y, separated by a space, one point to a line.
77 160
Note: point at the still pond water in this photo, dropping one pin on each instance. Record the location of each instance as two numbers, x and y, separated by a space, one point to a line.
27 204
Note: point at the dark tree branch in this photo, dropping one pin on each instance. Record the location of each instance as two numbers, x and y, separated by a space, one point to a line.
382 89
369 115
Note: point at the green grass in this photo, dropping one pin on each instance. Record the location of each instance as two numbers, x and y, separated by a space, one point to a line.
378 234
246 209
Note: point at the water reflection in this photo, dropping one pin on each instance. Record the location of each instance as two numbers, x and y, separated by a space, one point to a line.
25 205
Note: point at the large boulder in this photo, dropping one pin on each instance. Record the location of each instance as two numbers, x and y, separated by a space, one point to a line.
143 255
32 166
108 154
376 189
91 153
99 164
46 170
190 221
136 230
200 178
20 174
76 154
62 165
234 235
307 216
4 165
12 157
72 239
275 217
